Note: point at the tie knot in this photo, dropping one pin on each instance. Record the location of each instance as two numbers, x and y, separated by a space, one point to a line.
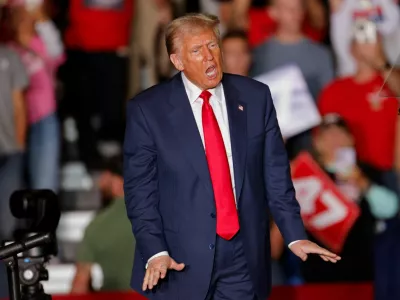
205 95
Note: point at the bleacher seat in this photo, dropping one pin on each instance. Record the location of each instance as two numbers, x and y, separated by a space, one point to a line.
70 232
61 276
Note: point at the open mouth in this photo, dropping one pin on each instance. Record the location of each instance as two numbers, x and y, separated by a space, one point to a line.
211 72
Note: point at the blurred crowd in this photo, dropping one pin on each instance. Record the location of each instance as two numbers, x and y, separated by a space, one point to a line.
67 69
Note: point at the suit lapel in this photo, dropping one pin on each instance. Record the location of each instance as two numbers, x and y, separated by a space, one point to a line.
186 131
237 115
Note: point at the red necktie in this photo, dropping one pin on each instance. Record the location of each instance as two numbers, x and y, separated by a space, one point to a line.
227 217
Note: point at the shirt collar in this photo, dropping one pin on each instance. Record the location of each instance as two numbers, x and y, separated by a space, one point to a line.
194 91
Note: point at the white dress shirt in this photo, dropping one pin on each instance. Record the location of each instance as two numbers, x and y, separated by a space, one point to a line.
218 104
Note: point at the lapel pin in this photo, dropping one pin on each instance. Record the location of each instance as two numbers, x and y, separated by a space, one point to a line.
240 107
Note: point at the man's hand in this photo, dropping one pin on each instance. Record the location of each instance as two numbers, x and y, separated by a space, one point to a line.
303 248
157 269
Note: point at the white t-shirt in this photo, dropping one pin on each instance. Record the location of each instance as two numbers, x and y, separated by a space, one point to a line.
385 14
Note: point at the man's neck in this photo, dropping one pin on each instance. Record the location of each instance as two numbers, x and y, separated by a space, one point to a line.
288 37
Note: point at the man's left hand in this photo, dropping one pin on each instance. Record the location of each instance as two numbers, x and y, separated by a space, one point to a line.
303 248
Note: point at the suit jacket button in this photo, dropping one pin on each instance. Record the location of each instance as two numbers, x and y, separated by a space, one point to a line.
212 215
211 246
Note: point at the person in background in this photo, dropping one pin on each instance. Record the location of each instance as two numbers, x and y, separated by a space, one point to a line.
37 41
236 53
290 46
375 126
255 17
358 184
108 239
13 128
148 59
373 90
95 74
385 14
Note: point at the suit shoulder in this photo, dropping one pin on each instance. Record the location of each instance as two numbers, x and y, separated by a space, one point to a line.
151 95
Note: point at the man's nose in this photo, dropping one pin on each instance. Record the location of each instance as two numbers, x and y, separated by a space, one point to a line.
208 54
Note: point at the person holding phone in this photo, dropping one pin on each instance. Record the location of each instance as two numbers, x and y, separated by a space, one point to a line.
334 151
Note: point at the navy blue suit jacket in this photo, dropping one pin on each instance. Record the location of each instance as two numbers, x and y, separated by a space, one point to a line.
168 192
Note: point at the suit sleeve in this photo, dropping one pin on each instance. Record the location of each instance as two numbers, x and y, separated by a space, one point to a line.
278 182
141 184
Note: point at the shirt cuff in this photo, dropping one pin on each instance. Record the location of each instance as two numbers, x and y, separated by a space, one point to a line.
292 243
157 255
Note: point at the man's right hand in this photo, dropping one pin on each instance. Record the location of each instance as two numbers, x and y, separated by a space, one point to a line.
157 269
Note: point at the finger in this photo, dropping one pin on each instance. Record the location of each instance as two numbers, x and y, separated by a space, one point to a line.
328 259
324 258
333 260
303 256
324 252
156 277
146 280
151 278
177 267
163 271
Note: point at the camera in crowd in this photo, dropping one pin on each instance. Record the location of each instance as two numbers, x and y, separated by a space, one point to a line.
38 214
365 31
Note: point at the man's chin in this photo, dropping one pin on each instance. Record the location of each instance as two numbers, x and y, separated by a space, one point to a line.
214 81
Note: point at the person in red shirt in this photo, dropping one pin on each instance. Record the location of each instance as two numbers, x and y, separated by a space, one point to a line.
262 25
95 76
256 17
368 103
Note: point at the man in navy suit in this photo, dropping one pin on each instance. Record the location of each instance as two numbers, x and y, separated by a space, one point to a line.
204 163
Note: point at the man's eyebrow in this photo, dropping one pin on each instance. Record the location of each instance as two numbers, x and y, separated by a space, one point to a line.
199 45
195 46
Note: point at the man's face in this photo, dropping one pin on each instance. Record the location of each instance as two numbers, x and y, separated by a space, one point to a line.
289 14
236 56
199 58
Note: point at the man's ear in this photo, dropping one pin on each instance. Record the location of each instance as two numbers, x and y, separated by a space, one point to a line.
176 62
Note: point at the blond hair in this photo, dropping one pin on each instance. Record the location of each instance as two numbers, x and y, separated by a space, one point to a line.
188 23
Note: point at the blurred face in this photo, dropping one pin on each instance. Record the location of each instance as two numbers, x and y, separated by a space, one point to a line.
329 140
117 186
21 20
199 58
366 52
111 185
289 14
236 56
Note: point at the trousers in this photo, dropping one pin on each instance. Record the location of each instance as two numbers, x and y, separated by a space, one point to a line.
230 278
